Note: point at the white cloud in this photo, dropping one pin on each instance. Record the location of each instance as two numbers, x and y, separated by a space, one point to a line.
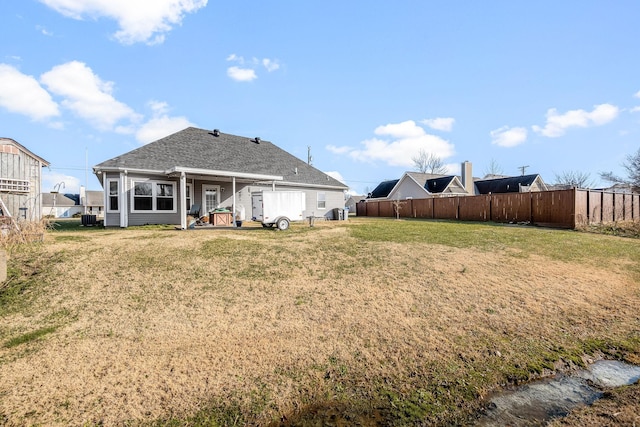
637 94
444 124
161 124
452 168
270 64
88 96
50 180
336 175
557 124
508 137
246 71
403 142
44 31
635 109
338 150
139 20
23 94
241 74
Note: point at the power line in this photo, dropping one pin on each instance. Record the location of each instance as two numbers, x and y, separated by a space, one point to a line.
65 168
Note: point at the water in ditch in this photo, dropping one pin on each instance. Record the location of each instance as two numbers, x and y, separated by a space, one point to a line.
540 401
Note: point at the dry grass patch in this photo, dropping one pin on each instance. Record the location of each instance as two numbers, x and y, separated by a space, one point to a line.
258 326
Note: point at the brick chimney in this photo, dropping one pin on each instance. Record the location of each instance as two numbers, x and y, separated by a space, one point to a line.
467 178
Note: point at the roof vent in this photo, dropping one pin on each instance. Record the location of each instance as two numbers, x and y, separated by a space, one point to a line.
257 140
216 132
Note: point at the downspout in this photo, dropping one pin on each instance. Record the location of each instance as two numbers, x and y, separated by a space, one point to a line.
124 219
183 200
233 203
273 185
105 197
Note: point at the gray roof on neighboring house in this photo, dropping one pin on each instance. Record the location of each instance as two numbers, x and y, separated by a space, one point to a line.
201 149
356 198
505 185
61 200
95 198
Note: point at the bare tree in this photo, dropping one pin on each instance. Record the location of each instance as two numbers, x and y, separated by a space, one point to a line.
574 179
632 166
397 206
429 163
494 168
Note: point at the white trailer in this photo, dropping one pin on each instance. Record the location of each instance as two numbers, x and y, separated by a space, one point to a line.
277 208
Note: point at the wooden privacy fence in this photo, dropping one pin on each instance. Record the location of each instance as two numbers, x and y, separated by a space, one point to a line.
561 208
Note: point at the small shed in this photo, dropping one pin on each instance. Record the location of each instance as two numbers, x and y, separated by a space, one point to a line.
20 180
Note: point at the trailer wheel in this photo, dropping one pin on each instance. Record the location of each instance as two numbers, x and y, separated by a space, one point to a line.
282 223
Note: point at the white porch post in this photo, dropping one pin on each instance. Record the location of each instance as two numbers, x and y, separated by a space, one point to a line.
183 200
105 197
233 203
124 208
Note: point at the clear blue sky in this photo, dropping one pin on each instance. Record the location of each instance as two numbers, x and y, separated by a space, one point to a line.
554 85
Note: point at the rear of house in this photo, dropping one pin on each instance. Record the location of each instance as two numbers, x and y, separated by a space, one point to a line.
161 181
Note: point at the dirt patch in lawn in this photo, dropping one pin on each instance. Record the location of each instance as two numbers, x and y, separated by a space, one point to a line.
160 325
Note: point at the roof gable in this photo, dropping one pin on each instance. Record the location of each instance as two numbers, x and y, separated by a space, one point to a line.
434 183
216 151
438 185
9 141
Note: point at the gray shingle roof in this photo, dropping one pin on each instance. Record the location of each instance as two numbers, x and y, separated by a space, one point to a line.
61 200
200 149
95 198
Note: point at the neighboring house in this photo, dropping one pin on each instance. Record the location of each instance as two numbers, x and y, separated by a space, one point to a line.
159 182
416 185
351 203
94 203
67 205
21 180
512 184
59 205
620 188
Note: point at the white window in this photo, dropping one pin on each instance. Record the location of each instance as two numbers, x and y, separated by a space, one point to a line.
153 196
188 196
113 195
322 200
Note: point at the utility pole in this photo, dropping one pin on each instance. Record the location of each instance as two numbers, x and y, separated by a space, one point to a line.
523 168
